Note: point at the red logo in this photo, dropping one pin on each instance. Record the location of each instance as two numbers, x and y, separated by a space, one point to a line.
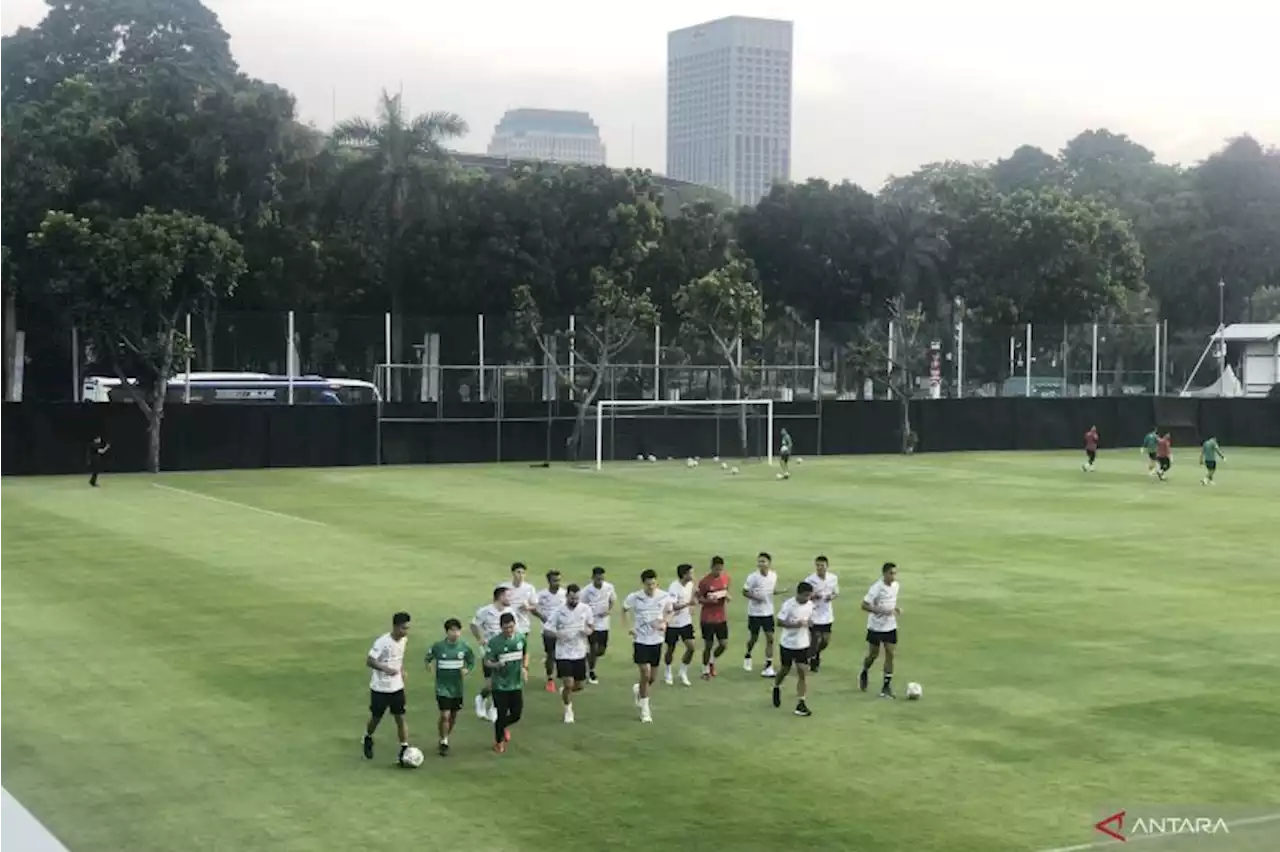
1106 826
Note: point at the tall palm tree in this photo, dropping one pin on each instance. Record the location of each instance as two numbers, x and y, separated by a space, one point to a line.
394 162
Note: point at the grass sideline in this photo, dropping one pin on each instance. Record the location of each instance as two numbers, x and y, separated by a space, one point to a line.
183 655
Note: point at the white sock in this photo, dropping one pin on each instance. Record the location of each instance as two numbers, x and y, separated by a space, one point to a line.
644 704
684 668
444 741
668 670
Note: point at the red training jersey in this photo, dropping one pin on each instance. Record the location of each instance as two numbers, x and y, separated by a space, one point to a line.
712 591
1091 439
1164 447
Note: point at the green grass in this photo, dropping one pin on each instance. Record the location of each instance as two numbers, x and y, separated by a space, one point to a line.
184 672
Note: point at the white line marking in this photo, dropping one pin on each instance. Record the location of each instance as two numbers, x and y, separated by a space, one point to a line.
1080 847
238 505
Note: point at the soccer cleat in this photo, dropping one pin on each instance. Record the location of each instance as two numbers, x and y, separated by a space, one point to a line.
777 696
635 693
551 685
768 672
645 717
400 756
499 748
480 714
746 664
802 709
492 715
592 679
684 679
887 693
668 679
815 664
368 747
444 749
862 680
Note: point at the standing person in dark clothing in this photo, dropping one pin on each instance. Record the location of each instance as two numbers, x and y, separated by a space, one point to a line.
97 450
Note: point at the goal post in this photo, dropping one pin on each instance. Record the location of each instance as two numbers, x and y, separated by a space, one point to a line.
692 411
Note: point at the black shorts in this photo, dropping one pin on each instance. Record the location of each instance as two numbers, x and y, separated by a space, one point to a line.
447 704
1152 455
1092 454
820 628
882 637
549 645
678 634
715 630
599 641
381 702
576 669
646 655
785 455
1210 465
795 656
1165 462
756 623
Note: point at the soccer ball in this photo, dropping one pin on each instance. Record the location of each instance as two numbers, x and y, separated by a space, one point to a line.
734 471
412 758
724 465
799 460
652 457
690 463
914 691
640 457
716 459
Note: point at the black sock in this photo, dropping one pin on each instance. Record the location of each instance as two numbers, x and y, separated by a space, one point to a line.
768 663
748 655
887 678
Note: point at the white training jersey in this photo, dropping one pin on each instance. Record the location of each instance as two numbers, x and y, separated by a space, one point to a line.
681 594
762 585
823 613
599 601
569 624
489 620
548 603
388 652
795 638
650 613
519 598
881 596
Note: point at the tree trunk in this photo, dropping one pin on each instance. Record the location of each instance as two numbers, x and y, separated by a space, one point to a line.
908 439
209 319
155 417
580 418
742 411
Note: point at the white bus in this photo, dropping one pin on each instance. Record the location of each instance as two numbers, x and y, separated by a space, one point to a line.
252 388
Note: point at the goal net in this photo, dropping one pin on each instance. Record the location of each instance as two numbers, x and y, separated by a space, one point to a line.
728 428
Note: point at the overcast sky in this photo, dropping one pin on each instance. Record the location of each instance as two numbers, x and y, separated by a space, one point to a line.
879 87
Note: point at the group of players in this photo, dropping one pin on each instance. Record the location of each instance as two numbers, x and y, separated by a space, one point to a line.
575 628
1159 450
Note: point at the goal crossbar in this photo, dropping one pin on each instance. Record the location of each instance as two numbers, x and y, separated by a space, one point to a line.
601 405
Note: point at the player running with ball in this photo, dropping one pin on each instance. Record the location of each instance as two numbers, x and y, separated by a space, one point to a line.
794 618
386 683
650 608
881 606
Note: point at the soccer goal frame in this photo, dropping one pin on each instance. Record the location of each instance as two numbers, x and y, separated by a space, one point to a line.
616 404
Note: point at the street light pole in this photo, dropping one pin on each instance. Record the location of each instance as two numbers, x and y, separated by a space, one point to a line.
1222 343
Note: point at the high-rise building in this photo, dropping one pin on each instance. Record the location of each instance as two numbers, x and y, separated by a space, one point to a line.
560 136
729 105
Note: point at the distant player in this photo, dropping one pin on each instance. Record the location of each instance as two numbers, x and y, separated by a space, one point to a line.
601 597
881 605
507 659
1150 442
522 597
1164 455
796 642
826 588
1090 449
759 590
386 684
486 625
550 599
1210 452
453 659
98 448
680 627
571 627
650 608
784 454
713 594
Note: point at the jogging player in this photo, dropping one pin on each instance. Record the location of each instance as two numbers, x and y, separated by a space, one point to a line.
601 597
784 454
1149 444
826 588
1090 449
386 684
486 625
650 608
550 599
759 590
453 659
507 659
794 619
713 594
881 606
1164 455
1210 452
522 597
571 627
680 627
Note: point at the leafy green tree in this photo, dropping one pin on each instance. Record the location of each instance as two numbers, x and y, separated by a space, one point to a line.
1028 167
129 284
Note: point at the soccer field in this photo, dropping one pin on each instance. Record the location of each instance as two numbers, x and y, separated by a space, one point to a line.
183 656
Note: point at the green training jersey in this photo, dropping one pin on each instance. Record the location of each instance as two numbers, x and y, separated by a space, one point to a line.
786 442
1149 442
451 659
1210 450
509 653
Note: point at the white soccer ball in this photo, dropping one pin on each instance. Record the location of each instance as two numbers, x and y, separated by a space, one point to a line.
412 758
799 461
640 457
914 691
734 471
779 476
716 459
689 462
652 457
724 465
